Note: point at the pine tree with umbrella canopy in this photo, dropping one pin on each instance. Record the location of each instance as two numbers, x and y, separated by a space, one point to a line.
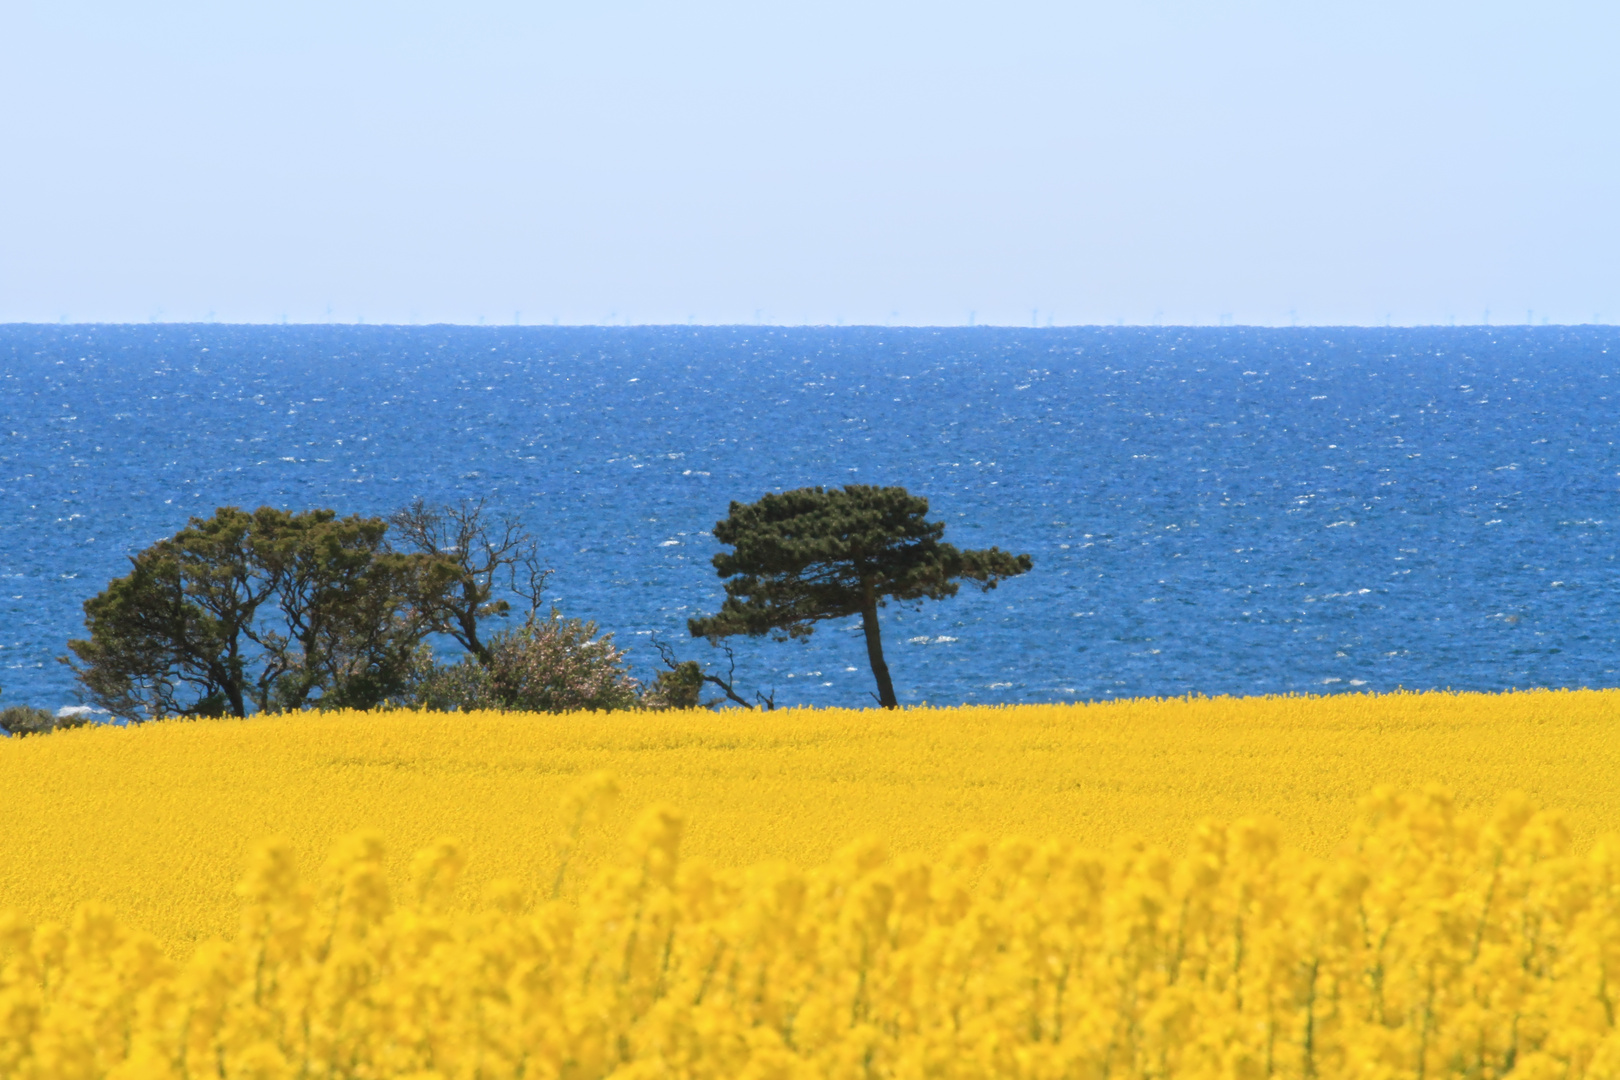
805 556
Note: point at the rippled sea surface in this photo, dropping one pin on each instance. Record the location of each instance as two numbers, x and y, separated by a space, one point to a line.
1215 511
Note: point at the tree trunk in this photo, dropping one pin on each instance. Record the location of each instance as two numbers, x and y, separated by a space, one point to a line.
874 648
469 635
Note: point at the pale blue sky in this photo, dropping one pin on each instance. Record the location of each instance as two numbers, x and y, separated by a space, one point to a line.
1415 162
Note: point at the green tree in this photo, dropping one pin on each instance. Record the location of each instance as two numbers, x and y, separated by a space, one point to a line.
804 556
255 611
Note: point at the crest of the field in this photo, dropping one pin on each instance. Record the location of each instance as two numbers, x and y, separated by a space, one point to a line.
157 821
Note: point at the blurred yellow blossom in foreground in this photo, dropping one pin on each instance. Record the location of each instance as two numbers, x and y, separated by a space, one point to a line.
1433 942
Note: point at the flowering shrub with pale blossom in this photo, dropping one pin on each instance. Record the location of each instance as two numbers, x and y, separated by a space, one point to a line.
545 665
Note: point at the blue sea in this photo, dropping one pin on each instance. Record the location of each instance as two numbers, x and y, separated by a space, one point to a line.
1210 511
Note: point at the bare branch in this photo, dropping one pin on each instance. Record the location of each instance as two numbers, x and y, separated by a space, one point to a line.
727 684
665 653
478 553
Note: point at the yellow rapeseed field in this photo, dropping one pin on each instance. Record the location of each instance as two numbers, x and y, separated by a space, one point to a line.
157 822
1320 932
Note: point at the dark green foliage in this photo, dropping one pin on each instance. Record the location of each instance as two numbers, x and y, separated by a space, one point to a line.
458 687
681 687
27 720
269 610
20 720
804 556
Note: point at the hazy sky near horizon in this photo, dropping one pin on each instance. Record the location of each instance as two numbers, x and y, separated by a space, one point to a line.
720 162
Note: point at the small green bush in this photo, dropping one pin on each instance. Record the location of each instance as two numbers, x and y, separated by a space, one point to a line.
27 720
679 688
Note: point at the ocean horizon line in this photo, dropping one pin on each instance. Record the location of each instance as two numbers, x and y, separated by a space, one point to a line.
380 325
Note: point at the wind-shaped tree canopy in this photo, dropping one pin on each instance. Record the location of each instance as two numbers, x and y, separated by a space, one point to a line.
804 556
